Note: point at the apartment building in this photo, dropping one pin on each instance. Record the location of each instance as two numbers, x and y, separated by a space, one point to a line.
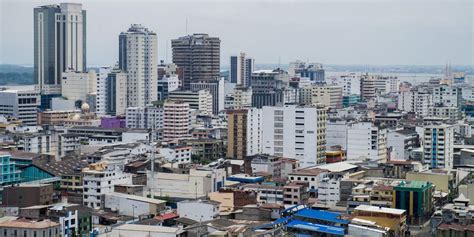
297 132
366 141
438 145
20 104
328 96
175 120
199 100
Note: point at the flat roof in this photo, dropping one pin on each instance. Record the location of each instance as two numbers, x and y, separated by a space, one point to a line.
148 228
321 215
303 225
137 198
380 209
338 166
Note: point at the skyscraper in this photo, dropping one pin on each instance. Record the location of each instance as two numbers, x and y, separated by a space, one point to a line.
139 58
59 44
199 57
241 69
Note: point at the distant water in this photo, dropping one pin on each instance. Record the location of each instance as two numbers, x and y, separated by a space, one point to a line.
19 87
414 78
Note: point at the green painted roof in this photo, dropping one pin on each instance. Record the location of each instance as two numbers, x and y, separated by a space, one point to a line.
414 185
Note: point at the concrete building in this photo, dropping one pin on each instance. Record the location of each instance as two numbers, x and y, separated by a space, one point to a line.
438 145
138 57
20 104
445 95
402 142
208 210
312 175
59 44
25 227
25 195
350 83
101 90
199 57
366 141
393 219
10 170
295 193
148 117
451 114
416 197
242 97
329 96
77 85
313 71
216 88
99 179
268 87
133 205
295 132
177 155
175 120
336 133
199 100
241 68
111 92
244 132
168 80
195 184
146 231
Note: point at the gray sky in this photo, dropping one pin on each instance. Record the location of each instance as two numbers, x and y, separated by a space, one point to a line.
381 32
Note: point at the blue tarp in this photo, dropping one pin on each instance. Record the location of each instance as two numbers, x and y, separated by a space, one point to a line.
321 215
270 225
302 225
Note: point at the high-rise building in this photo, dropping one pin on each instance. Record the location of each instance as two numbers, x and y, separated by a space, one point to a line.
325 95
175 120
268 87
168 80
116 92
20 104
241 69
366 141
199 57
313 71
138 57
244 133
242 97
438 145
200 100
148 117
59 44
216 87
77 85
297 132
101 94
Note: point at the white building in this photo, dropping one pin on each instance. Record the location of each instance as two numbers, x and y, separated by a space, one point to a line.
99 179
329 191
217 90
169 81
350 83
77 85
200 100
138 56
438 144
148 117
133 205
401 143
336 133
366 141
295 132
241 68
111 92
254 131
327 95
197 184
445 95
101 86
177 155
312 175
208 210
176 120
242 97
20 104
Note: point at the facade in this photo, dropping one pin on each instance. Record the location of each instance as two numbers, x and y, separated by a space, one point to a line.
168 80
208 210
244 133
402 142
216 88
24 227
20 104
242 97
175 120
199 57
149 117
10 172
26 195
313 71
438 145
416 197
111 92
59 44
350 84
77 85
138 57
393 219
99 179
268 88
241 68
177 155
133 205
366 141
328 96
199 100
101 92
295 193
297 132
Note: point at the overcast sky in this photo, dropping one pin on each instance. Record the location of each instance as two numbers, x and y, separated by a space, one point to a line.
379 32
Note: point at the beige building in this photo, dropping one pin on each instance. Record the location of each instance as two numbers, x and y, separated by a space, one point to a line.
77 85
328 96
24 227
175 120
443 180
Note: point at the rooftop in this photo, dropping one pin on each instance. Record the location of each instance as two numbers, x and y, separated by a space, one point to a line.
148 228
29 224
322 215
338 166
368 208
138 198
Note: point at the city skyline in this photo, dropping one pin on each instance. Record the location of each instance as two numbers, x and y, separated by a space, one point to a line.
327 32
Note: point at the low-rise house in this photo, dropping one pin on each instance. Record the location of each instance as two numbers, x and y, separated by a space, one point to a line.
132 205
208 210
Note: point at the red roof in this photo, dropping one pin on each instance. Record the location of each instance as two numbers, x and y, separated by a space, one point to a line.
166 216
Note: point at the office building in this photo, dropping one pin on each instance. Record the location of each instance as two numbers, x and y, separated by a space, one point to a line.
175 120
268 87
20 104
313 71
138 57
59 44
216 88
101 92
295 132
148 117
438 145
244 133
416 197
199 57
10 170
328 96
366 141
241 68
168 80
200 100
242 97
77 85
350 83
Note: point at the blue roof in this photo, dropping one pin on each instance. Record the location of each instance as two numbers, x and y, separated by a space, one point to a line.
321 215
247 179
272 224
303 225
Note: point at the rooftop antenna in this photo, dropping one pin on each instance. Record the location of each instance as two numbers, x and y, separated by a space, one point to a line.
166 52
279 62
